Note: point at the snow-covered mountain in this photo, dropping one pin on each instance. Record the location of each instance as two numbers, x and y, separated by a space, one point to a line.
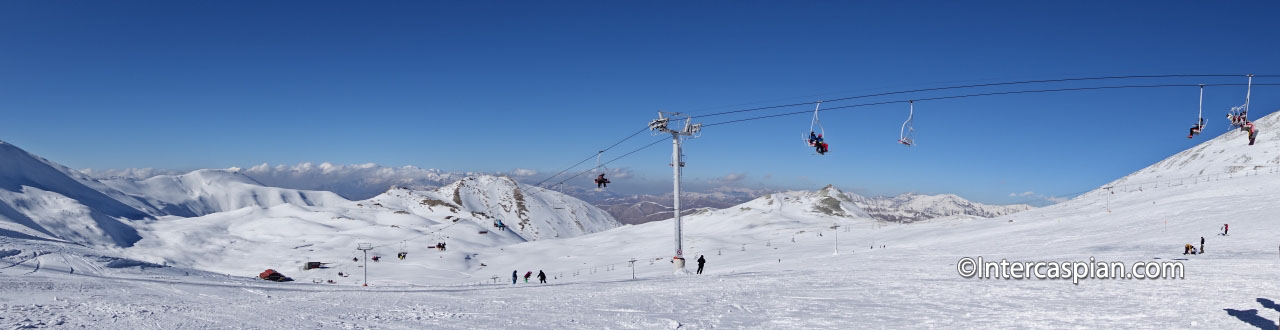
828 201
909 207
912 207
43 199
637 209
360 181
265 227
204 192
531 212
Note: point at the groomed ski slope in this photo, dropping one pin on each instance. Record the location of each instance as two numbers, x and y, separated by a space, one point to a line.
775 283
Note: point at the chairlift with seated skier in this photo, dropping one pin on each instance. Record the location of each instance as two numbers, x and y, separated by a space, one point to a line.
815 139
1199 126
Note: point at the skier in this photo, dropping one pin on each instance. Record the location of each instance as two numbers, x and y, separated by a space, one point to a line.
1201 244
527 275
542 277
1253 131
601 182
375 258
514 275
702 260
1225 228
820 145
813 139
1187 249
1195 130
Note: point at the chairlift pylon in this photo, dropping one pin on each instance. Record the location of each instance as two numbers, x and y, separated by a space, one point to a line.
906 133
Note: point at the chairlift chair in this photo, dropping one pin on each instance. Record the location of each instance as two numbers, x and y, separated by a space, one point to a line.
906 133
1199 125
1239 115
813 140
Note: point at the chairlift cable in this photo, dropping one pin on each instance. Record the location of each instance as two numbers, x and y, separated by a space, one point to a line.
971 95
1025 82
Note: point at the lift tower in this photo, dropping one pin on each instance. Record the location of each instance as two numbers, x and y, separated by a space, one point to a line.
689 130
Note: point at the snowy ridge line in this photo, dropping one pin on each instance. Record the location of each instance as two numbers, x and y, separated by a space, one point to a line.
1218 176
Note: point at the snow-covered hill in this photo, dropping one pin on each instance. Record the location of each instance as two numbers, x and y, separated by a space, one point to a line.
1227 155
43 199
284 232
210 191
911 207
531 212
642 208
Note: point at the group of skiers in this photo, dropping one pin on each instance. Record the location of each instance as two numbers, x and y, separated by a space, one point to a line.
498 224
542 277
815 141
1191 249
1241 121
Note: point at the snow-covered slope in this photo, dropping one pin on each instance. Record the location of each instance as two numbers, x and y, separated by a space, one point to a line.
911 207
1227 155
43 199
285 233
210 191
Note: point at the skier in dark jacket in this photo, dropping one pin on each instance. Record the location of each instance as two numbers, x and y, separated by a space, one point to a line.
1201 244
514 275
601 182
527 275
542 277
1195 130
702 260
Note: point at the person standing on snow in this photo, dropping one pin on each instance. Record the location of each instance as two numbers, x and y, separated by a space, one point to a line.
1224 229
1201 244
542 277
702 260
514 274
527 275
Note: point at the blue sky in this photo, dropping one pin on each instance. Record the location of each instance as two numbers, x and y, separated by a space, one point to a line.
493 86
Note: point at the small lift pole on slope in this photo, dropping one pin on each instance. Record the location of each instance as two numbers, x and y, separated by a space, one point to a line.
689 130
835 233
365 247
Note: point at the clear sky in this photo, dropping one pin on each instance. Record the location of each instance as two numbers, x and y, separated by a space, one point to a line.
494 86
